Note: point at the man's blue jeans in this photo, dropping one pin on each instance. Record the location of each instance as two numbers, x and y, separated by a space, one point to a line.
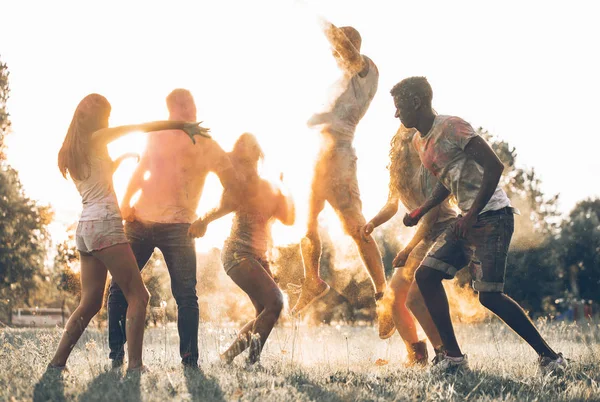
180 255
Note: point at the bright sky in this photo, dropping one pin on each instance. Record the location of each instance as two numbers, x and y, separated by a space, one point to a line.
525 71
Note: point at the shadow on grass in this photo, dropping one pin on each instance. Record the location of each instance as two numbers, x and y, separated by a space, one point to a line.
311 389
111 385
201 387
50 387
477 384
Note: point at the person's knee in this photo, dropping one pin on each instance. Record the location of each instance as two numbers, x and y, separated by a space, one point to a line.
355 233
275 306
397 290
352 226
425 276
140 297
490 300
145 297
90 307
414 301
186 297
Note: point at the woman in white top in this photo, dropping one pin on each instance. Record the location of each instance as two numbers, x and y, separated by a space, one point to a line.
100 238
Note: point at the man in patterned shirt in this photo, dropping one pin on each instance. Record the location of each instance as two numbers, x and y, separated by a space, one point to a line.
466 167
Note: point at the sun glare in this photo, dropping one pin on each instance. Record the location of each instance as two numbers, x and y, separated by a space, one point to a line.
272 99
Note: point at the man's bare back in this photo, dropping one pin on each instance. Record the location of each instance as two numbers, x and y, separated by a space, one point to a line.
173 177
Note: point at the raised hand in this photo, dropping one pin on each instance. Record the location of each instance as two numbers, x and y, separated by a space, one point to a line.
193 129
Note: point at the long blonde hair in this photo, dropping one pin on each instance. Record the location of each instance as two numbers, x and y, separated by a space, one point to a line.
74 156
403 161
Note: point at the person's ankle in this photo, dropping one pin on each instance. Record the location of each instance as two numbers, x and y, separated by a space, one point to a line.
134 364
551 355
57 363
454 353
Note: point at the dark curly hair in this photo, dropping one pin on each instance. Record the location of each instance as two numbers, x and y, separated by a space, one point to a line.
413 86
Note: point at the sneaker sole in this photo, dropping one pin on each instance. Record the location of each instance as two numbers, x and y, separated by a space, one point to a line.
317 297
389 334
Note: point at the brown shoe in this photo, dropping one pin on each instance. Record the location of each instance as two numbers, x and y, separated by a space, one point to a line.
385 320
417 354
309 295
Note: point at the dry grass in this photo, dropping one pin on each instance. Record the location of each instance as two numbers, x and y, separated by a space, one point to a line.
324 363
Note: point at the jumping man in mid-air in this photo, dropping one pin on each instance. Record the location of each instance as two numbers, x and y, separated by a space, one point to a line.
335 178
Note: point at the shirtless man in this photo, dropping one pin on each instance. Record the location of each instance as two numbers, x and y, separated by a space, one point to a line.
411 184
335 170
171 176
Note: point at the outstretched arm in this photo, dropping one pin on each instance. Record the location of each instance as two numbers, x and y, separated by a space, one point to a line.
109 134
385 214
439 194
353 60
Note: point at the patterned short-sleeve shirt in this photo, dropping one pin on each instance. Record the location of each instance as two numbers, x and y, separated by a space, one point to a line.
442 152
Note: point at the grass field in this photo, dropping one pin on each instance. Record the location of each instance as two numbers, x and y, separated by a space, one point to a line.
327 363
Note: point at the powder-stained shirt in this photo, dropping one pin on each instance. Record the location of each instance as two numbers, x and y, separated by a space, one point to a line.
351 99
97 192
414 182
442 152
250 233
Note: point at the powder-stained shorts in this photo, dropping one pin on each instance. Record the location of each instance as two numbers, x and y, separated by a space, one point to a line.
98 235
335 180
233 255
422 248
485 250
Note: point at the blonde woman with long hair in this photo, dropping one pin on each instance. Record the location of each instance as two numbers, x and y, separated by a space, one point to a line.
100 239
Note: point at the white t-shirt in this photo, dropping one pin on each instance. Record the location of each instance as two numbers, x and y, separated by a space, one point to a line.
351 99
442 153
97 192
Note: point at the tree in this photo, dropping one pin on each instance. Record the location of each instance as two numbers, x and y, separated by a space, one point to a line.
4 116
23 235
66 274
532 266
523 187
579 248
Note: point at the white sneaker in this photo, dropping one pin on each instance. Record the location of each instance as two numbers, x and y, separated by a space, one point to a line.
553 366
449 364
